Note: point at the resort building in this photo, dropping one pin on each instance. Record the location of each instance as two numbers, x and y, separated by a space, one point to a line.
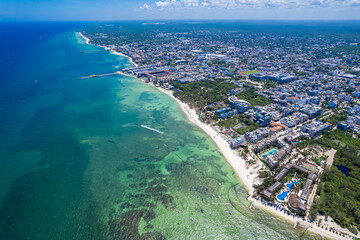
276 116
273 159
281 78
316 128
258 76
296 203
236 142
283 172
311 111
242 106
232 100
257 134
263 145
262 118
306 190
223 110
302 117
270 191
290 121
229 113
343 126
293 137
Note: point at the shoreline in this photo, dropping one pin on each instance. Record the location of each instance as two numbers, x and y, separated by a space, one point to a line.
86 39
237 162
110 50
311 227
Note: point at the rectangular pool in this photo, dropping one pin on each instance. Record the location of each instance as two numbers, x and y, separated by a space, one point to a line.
269 153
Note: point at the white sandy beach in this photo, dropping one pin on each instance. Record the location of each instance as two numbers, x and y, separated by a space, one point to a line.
111 51
245 173
123 55
239 165
86 39
312 227
237 162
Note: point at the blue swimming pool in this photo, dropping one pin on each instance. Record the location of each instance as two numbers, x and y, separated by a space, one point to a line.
282 196
269 153
289 185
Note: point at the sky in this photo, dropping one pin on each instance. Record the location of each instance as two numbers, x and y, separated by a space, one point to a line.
108 10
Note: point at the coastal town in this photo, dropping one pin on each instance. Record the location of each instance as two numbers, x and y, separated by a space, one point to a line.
283 109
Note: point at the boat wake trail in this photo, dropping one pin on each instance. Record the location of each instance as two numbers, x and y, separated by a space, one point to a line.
152 129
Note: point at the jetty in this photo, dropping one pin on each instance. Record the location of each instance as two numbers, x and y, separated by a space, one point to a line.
295 225
101 75
92 51
304 231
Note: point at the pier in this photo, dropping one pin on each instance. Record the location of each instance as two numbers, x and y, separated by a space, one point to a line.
92 51
296 224
304 232
101 75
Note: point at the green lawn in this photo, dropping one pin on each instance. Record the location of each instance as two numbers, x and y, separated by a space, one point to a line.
253 98
250 72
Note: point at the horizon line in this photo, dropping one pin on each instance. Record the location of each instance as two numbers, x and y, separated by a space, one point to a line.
205 19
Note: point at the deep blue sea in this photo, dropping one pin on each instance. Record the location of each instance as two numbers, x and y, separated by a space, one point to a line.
75 162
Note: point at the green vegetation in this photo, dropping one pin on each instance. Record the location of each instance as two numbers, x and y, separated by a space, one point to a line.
201 93
253 98
231 122
264 174
339 195
340 198
314 209
267 183
333 139
334 119
350 90
269 84
218 63
298 73
240 119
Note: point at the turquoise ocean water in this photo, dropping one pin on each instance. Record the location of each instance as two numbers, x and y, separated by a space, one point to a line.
75 162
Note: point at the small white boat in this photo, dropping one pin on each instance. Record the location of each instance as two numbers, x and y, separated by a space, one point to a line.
191 219
206 220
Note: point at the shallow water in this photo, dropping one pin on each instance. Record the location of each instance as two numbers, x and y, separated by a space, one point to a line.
76 163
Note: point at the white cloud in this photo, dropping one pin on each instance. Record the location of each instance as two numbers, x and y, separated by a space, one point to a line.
231 4
190 3
145 7
166 4
161 4
177 3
